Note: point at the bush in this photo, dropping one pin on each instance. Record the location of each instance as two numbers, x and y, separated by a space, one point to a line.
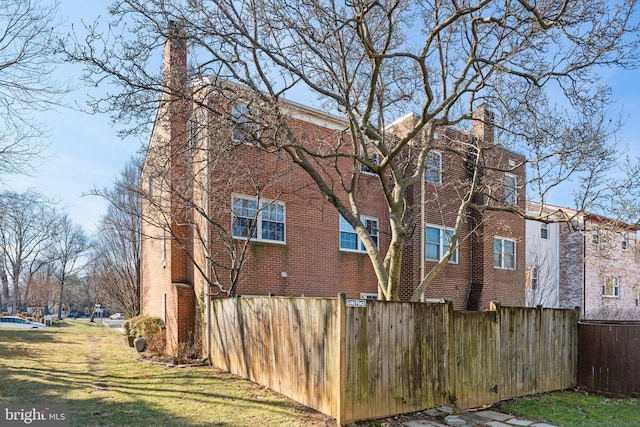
149 328
145 326
126 327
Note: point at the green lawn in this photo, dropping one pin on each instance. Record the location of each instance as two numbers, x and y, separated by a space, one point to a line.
89 367
576 408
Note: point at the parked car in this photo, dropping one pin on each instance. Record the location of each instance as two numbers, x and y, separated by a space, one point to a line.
15 322
117 316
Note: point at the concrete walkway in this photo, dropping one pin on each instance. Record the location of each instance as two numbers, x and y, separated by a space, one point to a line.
444 416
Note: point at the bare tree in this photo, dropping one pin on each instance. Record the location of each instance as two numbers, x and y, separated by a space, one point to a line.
371 62
27 223
27 61
115 259
65 253
42 289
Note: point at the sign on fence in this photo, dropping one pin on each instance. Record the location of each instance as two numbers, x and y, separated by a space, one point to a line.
356 303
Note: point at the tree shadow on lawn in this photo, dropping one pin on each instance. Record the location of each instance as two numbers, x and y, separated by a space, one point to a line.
155 395
153 400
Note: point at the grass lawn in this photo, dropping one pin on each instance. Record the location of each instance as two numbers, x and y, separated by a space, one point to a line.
90 368
576 408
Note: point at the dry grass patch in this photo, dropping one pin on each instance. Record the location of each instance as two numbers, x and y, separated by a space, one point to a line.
90 368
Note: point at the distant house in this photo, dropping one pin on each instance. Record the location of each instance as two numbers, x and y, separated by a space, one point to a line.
542 286
592 262
296 242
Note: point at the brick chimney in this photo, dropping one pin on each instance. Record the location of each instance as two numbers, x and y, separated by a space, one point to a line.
482 126
178 112
181 301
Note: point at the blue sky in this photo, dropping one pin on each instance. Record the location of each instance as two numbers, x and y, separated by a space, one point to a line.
85 152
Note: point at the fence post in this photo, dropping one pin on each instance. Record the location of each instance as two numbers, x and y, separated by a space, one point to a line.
496 307
340 359
451 362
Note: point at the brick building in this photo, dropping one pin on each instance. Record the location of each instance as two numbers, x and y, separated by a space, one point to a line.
299 245
599 268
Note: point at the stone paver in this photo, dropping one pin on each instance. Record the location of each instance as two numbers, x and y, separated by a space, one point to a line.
455 421
422 423
517 422
494 415
497 424
433 412
474 418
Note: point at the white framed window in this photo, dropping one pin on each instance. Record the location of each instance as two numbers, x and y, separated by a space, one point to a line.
544 230
433 167
611 286
533 278
373 158
368 296
349 240
625 242
244 124
595 237
437 242
261 221
504 253
510 188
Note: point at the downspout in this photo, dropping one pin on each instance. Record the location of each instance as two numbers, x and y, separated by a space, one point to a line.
207 300
584 272
422 234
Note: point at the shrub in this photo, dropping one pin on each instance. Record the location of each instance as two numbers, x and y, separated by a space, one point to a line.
126 327
145 326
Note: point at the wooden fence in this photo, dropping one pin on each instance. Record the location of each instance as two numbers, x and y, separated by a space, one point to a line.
609 356
386 358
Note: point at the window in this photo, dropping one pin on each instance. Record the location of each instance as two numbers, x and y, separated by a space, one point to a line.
625 242
373 158
433 168
544 231
437 243
264 224
244 127
196 128
368 296
349 241
611 286
504 254
595 237
533 278
510 188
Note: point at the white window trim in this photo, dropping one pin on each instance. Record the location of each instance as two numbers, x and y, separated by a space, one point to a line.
544 227
534 278
249 123
615 285
625 242
361 249
443 247
375 158
260 209
368 296
439 169
513 199
515 253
